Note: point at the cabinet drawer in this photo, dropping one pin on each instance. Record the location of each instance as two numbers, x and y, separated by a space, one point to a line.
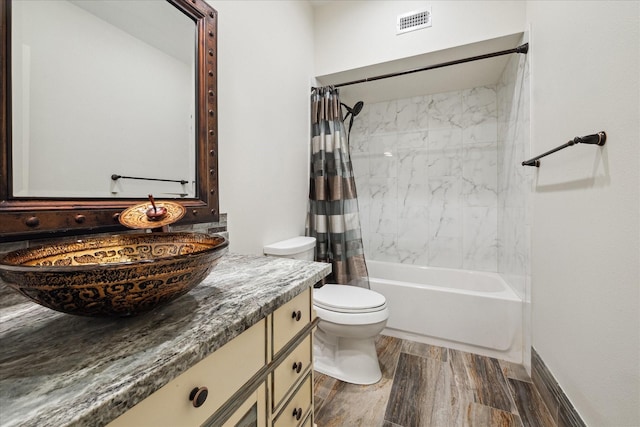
223 372
289 319
297 408
291 370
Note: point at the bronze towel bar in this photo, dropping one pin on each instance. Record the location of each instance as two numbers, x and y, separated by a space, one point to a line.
596 139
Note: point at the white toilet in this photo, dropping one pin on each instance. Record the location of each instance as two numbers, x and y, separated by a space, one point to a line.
350 318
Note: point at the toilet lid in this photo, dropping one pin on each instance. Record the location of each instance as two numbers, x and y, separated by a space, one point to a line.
348 299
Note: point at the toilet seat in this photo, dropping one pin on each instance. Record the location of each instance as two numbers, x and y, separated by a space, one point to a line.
352 319
349 305
348 299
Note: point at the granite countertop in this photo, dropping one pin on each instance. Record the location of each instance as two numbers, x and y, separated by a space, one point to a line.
58 369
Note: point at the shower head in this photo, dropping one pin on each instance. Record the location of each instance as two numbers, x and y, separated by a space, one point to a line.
353 112
357 108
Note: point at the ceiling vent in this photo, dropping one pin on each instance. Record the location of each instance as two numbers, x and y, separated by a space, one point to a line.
412 21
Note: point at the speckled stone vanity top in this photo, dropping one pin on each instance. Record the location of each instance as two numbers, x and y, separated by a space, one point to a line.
58 369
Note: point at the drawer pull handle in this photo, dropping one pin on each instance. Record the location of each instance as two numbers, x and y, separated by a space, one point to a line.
198 395
297 413
297 366
296 315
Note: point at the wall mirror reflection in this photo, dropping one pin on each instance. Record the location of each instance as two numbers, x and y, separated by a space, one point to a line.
128 112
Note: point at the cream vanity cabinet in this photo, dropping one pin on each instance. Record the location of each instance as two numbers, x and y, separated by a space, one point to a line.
261 378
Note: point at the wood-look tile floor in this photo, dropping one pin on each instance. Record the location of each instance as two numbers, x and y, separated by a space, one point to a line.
424 385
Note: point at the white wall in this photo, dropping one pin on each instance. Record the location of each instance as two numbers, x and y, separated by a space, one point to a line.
265 65
585 76
352 34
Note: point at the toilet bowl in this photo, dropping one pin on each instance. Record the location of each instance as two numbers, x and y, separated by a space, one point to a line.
344 343
350 318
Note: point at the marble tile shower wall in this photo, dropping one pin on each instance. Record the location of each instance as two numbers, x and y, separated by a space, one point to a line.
514 180
427 179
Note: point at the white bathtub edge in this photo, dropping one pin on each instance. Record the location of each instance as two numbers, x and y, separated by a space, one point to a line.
514 355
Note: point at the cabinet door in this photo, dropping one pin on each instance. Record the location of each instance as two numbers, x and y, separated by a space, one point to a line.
252 413
308 422
222 373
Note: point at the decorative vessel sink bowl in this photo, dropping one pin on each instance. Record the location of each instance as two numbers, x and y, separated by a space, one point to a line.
120 275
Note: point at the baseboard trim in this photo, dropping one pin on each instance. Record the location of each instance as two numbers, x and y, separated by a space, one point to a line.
554 397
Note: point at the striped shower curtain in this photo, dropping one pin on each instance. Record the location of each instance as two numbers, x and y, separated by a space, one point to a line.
332 214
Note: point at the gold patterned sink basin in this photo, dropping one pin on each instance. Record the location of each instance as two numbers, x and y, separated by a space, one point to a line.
120 275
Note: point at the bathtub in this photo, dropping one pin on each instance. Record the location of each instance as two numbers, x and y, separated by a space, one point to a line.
464 310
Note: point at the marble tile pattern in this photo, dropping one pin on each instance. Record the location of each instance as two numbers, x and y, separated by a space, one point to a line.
514 180
439 177
426 173
515 183
58 369
424 385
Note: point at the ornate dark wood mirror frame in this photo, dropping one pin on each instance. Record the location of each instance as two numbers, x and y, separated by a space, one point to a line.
29 218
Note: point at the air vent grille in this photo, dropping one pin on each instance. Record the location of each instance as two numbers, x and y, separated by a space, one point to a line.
413 21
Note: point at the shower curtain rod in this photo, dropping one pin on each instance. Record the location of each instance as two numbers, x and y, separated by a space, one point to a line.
524 48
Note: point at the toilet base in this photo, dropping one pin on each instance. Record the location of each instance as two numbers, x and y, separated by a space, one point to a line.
347 359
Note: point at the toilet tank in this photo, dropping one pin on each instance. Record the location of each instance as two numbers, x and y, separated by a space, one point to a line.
301 247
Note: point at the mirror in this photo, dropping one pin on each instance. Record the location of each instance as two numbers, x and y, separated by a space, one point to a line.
140 66
104 102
